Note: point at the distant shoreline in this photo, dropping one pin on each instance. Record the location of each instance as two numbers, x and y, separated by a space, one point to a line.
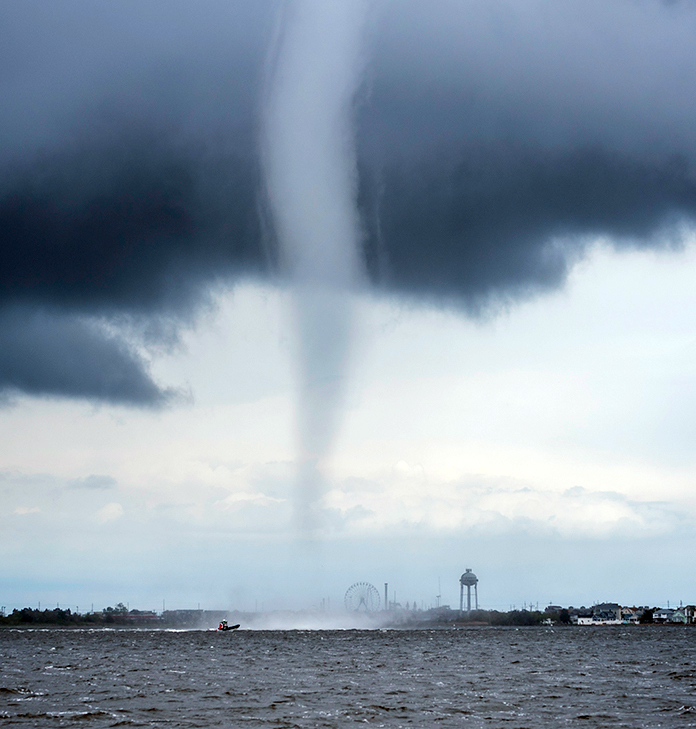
27 627
203 620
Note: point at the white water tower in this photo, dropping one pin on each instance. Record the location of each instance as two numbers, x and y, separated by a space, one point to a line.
470 580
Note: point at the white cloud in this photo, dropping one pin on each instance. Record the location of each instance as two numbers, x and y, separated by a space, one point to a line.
479 505
110 512
94 481
22 510
236 500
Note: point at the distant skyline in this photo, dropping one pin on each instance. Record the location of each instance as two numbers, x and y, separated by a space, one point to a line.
498 371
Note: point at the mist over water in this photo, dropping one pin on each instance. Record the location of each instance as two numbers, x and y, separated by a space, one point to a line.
315 620
308 149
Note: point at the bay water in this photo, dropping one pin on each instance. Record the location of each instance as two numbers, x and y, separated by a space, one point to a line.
633 676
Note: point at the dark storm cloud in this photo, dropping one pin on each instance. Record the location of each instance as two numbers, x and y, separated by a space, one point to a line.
494 140
47 354
506 222
497 138
133 223
129 182
133 226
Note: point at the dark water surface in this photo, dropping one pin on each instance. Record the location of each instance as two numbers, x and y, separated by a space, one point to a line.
487 677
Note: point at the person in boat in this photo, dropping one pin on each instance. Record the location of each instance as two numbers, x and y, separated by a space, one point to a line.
223 625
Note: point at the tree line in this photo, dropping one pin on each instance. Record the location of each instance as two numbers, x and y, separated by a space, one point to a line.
56 616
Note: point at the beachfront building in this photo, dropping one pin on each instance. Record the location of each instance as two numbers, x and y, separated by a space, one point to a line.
663 615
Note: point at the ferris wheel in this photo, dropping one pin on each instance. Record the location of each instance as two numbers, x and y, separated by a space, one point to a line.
362 596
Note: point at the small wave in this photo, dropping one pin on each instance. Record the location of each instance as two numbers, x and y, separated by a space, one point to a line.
380 707
681 675
16 691
72 715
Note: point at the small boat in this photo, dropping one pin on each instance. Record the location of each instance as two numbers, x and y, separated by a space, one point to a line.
224 626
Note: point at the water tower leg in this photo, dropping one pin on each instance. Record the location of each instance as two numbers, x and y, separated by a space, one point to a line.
468 599
461 598
476 595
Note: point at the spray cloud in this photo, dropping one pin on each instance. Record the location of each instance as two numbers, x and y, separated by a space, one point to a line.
311 179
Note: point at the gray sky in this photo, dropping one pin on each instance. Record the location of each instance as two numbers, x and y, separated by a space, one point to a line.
517 396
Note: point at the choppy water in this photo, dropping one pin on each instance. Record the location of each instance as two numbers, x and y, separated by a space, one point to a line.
487 677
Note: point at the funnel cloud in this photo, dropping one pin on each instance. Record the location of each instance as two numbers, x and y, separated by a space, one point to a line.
311 182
